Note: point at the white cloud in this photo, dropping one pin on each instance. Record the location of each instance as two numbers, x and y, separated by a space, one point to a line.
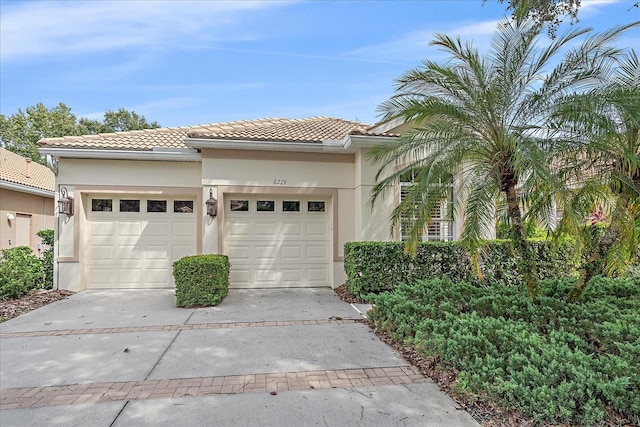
415 45
65 27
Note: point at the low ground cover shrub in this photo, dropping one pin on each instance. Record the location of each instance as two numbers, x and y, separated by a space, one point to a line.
555 361
20 272
374 267
201 280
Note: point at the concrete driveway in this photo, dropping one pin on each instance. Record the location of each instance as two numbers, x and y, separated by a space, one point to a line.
278 357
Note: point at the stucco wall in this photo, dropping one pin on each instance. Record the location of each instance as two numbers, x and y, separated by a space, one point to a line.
40 209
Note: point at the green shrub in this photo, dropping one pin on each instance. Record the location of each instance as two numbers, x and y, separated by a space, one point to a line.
374 267
47 257
201 280
20 272
557 362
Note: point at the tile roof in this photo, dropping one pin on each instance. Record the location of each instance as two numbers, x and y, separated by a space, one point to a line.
310 130
13 168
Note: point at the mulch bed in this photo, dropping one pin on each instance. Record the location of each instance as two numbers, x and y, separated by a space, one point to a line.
35 299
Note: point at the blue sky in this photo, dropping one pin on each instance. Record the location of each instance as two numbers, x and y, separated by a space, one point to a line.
188 63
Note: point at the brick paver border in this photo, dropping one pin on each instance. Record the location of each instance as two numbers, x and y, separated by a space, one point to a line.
33 397
188 327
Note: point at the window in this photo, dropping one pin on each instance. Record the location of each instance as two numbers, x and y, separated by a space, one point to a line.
239 205
129 205
156 205
315 206
183 206
441 225
101 205
290 206
265 206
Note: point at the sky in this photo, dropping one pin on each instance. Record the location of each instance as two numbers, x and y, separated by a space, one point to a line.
184 63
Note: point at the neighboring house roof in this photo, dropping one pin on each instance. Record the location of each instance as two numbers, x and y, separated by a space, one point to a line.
309 130
14 173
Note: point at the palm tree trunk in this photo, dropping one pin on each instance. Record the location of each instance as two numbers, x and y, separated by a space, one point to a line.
526 261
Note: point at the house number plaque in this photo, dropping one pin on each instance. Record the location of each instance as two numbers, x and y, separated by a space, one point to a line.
280 181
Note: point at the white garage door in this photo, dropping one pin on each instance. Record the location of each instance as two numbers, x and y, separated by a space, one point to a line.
132 241
278 241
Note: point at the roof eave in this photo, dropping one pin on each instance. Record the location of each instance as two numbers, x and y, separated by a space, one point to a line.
157 154
363 142
8 185
236 144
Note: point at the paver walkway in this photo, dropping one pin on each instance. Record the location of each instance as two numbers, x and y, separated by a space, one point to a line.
33 397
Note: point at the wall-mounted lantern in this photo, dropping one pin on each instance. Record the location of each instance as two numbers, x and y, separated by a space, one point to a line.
65 203
212 205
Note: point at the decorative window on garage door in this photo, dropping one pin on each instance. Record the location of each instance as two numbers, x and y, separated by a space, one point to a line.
183 206
101 205
129 205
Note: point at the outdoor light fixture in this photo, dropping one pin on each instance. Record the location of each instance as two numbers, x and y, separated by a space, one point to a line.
212 205
65 203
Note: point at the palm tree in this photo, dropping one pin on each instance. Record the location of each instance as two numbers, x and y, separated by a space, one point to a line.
485 118
603 142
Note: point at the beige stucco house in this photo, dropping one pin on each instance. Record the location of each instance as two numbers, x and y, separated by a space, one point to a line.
26 201
289 194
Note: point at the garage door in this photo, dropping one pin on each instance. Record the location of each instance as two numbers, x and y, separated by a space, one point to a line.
277 241
133 241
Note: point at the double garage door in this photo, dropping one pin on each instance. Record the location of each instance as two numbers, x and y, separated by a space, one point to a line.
278 241
132 241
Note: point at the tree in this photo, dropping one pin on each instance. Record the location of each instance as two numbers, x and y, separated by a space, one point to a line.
21 131
486 118
602 150
549 12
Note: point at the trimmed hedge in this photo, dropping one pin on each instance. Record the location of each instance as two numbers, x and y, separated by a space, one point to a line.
201 280
557 362
375 267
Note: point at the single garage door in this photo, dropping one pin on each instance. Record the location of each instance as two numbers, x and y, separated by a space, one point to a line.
278 241
132 241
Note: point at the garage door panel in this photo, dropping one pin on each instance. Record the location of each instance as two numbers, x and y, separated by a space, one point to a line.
156 229
156 252
291 229
128 252
126 275
101 252
317 253
291 252
317 230
182 230
276 248
238 228
129 228
101 229
265 252
317 275
136 249
266 229
266 277
239 251
240 276
180 251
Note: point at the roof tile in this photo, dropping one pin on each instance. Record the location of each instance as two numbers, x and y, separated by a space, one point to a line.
309 130
13 168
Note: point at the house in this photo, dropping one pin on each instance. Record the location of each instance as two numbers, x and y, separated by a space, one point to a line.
280 197
26 201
